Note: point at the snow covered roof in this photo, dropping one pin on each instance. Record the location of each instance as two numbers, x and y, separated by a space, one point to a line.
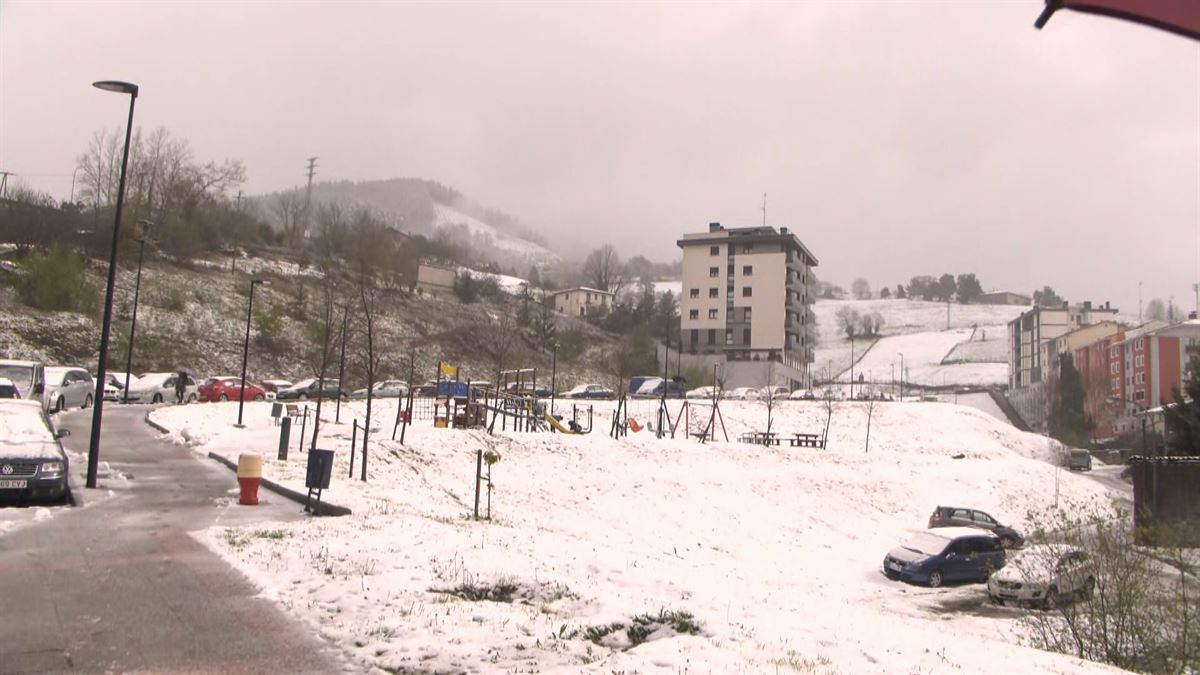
585 289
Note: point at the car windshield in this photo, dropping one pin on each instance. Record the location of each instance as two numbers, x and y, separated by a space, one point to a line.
925 542
21 376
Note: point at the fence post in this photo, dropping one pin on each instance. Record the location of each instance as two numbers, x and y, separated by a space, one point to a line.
303 426
353 446
478 472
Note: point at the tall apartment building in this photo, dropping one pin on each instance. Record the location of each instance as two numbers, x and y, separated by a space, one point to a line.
746 302
1030 335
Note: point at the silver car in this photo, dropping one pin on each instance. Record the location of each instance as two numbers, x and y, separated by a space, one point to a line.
69 388
1044 575
384 389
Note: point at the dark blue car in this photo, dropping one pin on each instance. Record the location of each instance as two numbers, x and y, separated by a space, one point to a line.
946 554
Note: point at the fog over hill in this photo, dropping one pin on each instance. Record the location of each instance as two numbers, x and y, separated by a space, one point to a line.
419 207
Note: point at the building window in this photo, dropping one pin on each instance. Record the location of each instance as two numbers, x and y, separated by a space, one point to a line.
695 292
747 291
712 336
748 270
1139 344
746 336
1113 368
747 248
714 250
714 271
1139 361
712 313
714 293
695 337
1140 378
747 314
1139 395
694 314
1116 384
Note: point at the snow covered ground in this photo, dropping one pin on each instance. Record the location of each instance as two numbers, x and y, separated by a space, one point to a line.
447 217
773 552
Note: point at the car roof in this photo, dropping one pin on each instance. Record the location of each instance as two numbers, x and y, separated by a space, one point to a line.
5 382
13 362
25 432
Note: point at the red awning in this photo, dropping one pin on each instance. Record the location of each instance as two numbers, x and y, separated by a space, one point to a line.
1181 17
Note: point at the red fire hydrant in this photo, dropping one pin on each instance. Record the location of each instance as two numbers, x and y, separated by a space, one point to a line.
249 475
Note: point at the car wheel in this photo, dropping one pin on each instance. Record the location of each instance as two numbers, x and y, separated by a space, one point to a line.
258 397
1007 542
191 398
303 397
157 398
935 578
87 402
1051 599
1089 588
222 397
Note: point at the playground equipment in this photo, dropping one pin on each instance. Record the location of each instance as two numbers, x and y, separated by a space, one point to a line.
700 424
573 426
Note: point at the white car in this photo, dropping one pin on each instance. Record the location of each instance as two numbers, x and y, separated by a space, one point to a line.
29 377
702 392
1043 575
775 392
115 384
160 387
69 388
743 394
384 389
588 391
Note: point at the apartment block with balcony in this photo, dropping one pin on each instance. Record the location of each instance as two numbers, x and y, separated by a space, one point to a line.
747 301
1030 335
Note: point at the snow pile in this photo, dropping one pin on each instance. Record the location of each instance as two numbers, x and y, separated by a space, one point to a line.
710 558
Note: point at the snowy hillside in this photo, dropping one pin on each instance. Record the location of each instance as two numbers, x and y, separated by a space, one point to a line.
738 558
463 228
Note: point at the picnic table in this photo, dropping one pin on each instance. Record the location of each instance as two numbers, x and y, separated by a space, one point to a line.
760 437
804 440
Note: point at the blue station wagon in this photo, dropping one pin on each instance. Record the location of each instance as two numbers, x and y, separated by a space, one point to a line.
946 554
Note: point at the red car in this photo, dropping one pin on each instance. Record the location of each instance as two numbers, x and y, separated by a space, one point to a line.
228 389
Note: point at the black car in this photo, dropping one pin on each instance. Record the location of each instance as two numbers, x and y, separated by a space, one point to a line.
954 516
33 465
311 388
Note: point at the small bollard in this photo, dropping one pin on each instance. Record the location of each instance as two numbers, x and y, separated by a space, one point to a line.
285 437
249 475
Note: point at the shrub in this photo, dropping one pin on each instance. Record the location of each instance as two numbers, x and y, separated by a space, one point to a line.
57 281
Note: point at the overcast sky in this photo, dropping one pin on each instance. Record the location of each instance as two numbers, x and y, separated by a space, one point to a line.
896 138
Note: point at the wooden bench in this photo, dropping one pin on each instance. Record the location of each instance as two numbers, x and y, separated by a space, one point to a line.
760 437
292 410
803 440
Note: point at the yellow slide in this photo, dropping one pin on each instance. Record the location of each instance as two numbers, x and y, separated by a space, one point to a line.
557 425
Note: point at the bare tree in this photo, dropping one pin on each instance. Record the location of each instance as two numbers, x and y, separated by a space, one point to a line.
848 318
323 345
502 333
289 208
369 298
602 269
1156 310
829 402
861 289
769 395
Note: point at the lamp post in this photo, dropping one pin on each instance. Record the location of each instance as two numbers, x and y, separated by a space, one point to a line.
553 376
901 375
246 348
137 287
101 369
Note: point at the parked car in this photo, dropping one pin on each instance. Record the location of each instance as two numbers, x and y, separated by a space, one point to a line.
33 465
526 389
8 389
69 388
953 516
275 386
160 387
1079 460
774 392
311 388
229 389
702 393
636 382
384 389
1044 575
743 394
802 395
653 387
588 391
934 557
29 377
114 384
427 390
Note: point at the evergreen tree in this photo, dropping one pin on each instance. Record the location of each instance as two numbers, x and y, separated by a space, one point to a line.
900 294
1183 417
1068 421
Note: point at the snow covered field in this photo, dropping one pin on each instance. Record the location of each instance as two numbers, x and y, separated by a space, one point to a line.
773 552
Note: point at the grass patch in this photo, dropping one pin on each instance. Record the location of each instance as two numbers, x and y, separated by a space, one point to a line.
506 590
643 628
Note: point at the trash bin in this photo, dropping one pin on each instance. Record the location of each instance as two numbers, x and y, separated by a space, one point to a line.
320 469
285 436
249 475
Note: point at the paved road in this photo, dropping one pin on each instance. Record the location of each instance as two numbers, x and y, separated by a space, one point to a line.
120 585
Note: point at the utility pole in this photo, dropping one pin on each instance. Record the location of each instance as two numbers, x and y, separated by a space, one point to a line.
764 209
239 200
4 182
312 170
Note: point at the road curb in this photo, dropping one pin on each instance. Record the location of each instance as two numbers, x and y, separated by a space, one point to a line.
156 425
327 509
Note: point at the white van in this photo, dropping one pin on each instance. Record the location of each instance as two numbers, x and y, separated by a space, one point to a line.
30 379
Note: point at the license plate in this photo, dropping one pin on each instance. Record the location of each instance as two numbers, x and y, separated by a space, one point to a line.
13 484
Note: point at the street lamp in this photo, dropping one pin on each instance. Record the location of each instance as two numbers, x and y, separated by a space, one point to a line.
901 375
101 370
137 286
246 347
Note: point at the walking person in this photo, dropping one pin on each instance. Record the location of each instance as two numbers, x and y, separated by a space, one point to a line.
180 386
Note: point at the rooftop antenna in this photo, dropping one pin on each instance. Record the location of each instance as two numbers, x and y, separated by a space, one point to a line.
764 209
